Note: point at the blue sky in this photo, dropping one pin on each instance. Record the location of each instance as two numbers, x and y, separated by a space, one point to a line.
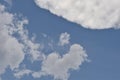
101 46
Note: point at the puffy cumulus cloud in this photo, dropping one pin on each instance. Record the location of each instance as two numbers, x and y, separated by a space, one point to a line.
11 51
14 41
95 14
64 39
59 67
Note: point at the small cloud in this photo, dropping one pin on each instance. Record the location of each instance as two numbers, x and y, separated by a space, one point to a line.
64 39
20 73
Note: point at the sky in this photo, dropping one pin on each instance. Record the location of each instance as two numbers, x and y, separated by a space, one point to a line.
59 40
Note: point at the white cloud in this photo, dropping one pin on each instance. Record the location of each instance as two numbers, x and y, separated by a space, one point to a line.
93 14
21 73
5 17
64 39
59 67
13 49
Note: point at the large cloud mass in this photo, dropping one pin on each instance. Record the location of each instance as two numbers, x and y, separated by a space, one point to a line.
93 14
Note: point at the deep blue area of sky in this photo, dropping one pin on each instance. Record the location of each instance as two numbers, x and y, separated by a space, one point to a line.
102 46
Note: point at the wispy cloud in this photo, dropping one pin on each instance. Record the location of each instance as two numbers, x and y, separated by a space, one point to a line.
64 39
20 73
9 2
